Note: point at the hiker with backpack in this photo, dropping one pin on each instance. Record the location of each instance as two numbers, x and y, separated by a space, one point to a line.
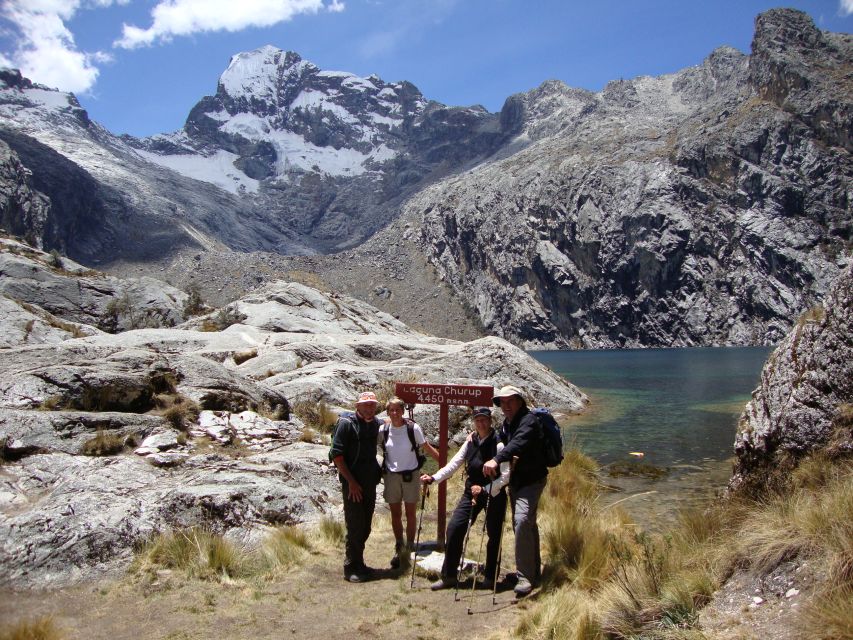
479 493
402 442
353 452
524 438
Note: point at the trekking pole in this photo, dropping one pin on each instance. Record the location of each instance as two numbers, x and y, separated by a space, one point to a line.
500 553
464 549
424 494
479 553
501 539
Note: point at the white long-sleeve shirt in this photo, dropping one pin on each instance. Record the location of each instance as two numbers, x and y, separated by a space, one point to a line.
458 460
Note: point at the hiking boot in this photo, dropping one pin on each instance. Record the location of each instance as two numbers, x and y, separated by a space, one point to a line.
399 552
522 587
443 583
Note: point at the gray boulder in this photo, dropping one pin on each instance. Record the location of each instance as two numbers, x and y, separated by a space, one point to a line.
93 511
805 400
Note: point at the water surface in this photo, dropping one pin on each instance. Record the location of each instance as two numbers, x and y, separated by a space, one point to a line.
678 407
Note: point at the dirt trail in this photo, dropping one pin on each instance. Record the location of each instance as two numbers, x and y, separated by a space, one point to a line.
310 601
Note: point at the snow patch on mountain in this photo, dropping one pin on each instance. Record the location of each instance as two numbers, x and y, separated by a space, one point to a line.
217 169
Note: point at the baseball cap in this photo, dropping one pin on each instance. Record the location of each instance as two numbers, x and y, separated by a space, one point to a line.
365 397
506 392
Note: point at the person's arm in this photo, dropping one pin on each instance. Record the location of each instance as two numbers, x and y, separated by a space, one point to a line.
354 487
420 438
450 468
495 486
524 434
341 441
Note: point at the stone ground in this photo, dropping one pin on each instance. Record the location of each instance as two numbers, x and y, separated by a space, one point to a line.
309 601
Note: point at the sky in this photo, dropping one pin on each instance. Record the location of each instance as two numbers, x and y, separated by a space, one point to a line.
139 66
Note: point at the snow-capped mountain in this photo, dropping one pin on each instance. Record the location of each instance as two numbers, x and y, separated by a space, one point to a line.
275 114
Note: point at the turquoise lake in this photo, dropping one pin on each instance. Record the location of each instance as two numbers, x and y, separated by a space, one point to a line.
679 407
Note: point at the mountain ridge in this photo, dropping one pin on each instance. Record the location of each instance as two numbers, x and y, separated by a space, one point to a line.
705 206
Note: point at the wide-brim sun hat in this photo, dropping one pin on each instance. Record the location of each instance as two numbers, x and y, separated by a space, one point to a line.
367 397
506 392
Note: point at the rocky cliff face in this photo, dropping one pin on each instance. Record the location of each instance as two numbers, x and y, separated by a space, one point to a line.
707 207
805 400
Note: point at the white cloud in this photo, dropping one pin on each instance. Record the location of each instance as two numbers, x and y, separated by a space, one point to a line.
44 48
845 7
172 18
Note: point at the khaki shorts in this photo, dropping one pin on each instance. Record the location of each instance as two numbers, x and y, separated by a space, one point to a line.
397 491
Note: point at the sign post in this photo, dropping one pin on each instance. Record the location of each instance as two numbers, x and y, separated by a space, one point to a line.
444 395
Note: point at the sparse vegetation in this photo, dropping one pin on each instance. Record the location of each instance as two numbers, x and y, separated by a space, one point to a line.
39 629
103 444
604 580
182 414
242 356
55 260
223 319
316 416
202 554
283 548
816 314
308 435
332 531
194 304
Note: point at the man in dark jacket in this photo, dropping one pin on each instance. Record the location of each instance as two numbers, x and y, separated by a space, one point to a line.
354 454
523 435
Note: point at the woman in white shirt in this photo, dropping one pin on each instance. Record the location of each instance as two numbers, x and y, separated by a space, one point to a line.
401 441
481 445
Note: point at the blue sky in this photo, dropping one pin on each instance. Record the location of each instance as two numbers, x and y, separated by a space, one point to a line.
139 66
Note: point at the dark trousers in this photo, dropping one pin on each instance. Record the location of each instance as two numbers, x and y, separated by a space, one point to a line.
459 525
358 517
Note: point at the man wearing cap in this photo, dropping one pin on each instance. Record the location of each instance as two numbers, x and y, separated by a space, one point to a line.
523 436
479 493
354 454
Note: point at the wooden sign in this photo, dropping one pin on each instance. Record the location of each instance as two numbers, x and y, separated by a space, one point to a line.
449 394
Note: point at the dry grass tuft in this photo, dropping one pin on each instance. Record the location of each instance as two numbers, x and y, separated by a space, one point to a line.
285 547
242 356
205 555
38 629
316 416
332 531
829 616
103 444
197 552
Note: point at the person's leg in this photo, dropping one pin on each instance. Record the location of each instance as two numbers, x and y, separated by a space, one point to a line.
368 505
455 538
411 522
397 521
494 526
526 501
352 519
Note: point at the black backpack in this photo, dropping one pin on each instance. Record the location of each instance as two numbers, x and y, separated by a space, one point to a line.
552 436
410 431
349 417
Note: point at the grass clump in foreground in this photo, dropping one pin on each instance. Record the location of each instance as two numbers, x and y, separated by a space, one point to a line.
38 629
202 554
604 580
